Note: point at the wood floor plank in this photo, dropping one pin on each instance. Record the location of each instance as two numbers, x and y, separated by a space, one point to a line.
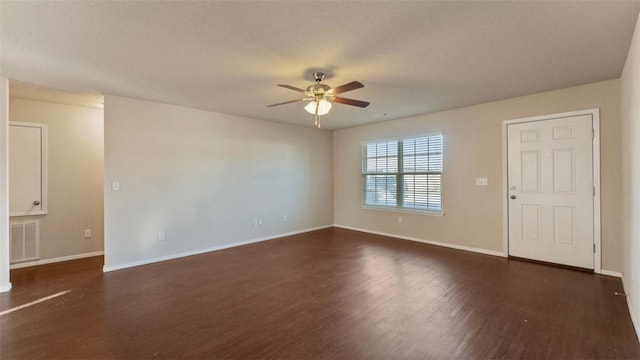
327 294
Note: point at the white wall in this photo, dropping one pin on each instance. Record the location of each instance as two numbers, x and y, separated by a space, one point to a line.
630 105
472 149
5 284
203 177
76 176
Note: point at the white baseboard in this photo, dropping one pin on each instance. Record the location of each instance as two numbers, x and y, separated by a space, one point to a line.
206 250
55 260
611 273
5 288
634 319
430 242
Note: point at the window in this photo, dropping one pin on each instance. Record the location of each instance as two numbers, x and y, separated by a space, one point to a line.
403 174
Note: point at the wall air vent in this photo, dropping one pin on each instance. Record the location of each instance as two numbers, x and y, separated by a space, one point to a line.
25 241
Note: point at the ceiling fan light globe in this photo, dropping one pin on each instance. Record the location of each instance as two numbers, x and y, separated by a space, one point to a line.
323 107
311 107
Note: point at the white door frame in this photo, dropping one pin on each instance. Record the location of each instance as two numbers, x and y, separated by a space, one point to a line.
5 282
595 115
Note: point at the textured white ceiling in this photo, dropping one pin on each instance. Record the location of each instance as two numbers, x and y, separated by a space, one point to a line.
413 56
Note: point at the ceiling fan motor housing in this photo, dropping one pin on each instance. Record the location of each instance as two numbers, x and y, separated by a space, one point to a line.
319 91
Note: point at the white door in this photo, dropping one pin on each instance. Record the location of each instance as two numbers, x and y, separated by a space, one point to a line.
27 168
551 190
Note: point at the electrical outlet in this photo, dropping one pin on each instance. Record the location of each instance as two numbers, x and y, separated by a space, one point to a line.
482 181
87 233
115 186
255 222
260 221
162 236
285 218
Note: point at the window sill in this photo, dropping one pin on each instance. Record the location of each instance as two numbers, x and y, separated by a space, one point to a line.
402 210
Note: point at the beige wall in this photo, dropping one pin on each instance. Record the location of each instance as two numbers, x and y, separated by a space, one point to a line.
75 186
203 177
630 105
472 149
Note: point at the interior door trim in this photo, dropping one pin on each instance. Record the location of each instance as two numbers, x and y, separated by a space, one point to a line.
595 115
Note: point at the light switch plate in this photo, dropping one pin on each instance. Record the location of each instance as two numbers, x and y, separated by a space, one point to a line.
482 181
115 185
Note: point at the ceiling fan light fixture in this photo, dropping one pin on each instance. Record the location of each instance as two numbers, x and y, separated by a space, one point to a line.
323 107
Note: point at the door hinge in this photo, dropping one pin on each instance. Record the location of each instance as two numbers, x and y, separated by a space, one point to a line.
594 248
594 191
593 134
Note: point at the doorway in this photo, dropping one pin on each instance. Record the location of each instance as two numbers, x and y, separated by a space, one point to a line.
56 175
551 188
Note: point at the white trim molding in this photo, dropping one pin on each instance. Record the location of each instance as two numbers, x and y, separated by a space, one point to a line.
425 241
611 273
206 250
55 260
595 116
5 283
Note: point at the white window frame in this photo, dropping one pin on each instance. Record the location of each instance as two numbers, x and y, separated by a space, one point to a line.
399 174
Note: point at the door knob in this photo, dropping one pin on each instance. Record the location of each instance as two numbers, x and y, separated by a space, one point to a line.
36 202
512 197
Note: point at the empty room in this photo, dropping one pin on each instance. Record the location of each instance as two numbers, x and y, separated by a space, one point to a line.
319 180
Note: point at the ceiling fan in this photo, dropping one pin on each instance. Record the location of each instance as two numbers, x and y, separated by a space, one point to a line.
320 96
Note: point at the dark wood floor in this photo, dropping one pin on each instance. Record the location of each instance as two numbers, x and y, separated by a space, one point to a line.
328 294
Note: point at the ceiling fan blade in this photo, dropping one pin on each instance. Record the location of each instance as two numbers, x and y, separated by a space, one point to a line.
358 103
292 88
286 102
346 87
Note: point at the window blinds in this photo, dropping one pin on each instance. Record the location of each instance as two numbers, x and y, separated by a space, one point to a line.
403 173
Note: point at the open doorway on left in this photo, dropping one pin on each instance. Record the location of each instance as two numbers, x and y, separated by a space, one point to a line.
56 191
